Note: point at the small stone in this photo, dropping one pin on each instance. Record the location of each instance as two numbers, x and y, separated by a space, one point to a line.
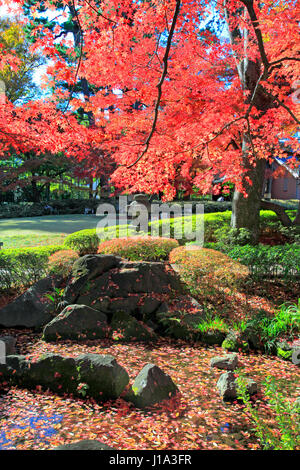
151 386
227 385
228 362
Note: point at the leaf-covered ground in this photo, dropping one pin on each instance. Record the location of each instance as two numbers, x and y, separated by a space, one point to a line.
196 419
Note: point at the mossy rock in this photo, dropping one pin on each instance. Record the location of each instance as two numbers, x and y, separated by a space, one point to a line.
234 342
286 355
124 327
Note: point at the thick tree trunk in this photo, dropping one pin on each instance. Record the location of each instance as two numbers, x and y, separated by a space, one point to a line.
246 210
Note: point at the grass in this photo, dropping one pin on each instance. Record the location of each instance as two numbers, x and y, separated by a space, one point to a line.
45 230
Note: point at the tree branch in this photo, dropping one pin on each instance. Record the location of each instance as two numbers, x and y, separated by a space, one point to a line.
279 211
160 83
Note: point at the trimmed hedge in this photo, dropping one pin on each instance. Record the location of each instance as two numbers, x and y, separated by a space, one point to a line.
83 241
202 268
212 223
64 206
87 241
139 248
23 267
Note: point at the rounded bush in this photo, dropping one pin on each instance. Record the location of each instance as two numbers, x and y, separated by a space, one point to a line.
61 262
203 265
84 241
139 248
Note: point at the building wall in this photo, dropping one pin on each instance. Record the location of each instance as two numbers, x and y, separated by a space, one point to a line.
285 187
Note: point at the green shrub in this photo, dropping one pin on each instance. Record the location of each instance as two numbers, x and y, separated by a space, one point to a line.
23 267
285 435
268 261
232 236
183 228
61 262
285 322
139 248
83 241
87 241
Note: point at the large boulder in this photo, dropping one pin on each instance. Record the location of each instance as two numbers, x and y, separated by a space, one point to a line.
227 385
124 327
85 269
142 305
129 278
105 378
86 444
53 372
94 375
77 322
151 386
32 309
228 362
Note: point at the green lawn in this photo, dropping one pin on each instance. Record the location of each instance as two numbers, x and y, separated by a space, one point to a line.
45 230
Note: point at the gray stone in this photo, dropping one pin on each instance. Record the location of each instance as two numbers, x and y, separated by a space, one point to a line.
85 269
227 386
102 377
129 278
31 309
228 362
129 328
105 377
151 386
87 444
181 317
10 344
77 322
183 303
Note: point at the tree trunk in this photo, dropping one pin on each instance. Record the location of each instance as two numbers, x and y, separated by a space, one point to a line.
36 194
246 210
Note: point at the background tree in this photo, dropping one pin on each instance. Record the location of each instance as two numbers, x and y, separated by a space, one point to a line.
19 83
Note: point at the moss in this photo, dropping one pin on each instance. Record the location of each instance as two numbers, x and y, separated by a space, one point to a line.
235 346
287 355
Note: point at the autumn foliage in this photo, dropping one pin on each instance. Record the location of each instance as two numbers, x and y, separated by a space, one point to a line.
200 267
182 109
139 248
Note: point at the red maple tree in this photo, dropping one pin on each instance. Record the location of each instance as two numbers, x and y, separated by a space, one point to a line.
204 88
